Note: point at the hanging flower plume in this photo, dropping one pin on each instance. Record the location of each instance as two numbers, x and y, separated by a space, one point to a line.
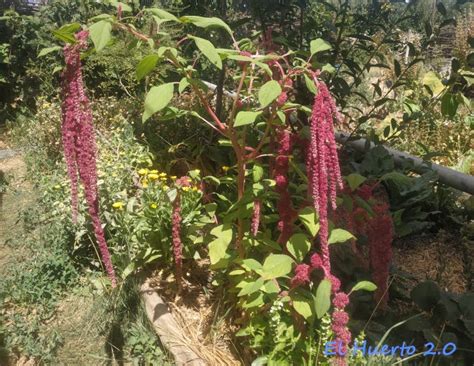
79 143
324 175
257 207
280 172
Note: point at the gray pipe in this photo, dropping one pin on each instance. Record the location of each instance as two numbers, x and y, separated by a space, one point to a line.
450 177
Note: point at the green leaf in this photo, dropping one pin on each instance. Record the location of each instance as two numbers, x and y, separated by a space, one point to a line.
146 66
125 8
254 301
329 68
432 81
251 287
245 118
277 265
162 14
310 84
426 295
355 180
218 247
303 306
323 298
157 98
364 285
309 220
204 22
257 172
319 45
298 245
183 84
208 50
100 34
48 50
251 264
66 32
339 236
449 105
269 92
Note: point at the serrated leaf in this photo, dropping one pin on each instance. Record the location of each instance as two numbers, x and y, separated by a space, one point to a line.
48 50
298 245
364 285
309 220
208 50
146 66
339 236
204 22
322 300
245 118
276 265
100 34
269 92
319 45
355 180
157 98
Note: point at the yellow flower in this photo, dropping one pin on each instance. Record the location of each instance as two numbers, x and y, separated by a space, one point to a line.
154 171
225 168
185 189
153 206
145 183
163 178
165 187
57 186
118 205
174 177
143 171
195 189
162 174
153 176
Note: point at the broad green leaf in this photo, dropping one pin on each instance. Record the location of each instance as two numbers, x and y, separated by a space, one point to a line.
183 84
245 118
355 180
162 14
432 81
309 220
237 272
271 287
208 50
329 68
303 306
218 247
146 66
204 22
251 264
254 301
339 236
323 298
277 265
100 34
310 84
66 32
364 285
257 172
298 245
252 287
449 104
269 92
48 50
319 45
157 98
125 8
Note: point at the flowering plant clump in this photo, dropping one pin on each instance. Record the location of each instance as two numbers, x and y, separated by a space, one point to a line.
79 143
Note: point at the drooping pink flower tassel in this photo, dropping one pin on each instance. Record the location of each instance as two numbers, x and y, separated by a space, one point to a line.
257 207
280 172
79 143
322 163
